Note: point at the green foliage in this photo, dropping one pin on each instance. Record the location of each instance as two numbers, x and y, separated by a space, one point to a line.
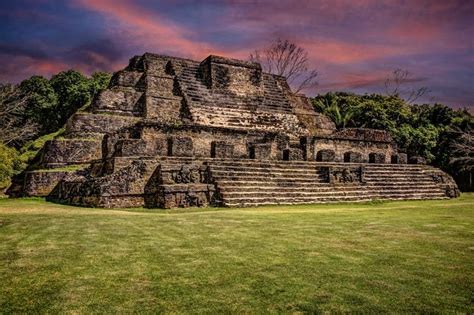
40 97
340 114
73 91
38 106
9 165
99 81
35 111
415 128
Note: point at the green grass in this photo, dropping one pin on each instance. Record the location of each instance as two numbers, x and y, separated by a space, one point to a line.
375 257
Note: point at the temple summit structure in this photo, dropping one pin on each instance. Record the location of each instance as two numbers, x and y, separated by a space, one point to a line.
171 132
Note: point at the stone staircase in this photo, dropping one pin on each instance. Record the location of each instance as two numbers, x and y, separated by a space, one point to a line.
269 112
252 183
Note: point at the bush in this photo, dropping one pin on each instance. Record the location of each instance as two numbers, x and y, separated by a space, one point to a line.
9 165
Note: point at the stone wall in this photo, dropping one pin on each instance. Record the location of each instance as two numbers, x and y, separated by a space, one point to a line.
238 77
172 132
340 147
86 124
71 151
41 183
357 144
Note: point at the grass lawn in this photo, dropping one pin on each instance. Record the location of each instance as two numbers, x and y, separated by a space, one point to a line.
373 257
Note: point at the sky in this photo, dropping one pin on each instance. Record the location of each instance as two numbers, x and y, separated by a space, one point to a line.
354 44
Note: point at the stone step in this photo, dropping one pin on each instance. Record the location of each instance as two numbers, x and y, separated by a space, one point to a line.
262 172
397 180
300 194
268 178
307 175
227 161
119 112
317 187
256 168
259 183
387 168
309 168
394 171
236 202
391 185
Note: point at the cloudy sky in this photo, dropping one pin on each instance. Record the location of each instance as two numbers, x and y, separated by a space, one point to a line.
354 44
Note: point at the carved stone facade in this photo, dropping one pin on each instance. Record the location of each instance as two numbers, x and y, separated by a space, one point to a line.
172 132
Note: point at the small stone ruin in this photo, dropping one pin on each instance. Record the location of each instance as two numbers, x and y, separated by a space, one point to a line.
171 132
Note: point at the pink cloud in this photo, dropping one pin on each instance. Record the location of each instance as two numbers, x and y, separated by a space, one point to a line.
153 30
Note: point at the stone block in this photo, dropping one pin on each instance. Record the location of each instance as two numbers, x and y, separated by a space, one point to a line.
180 146
118 98
81 123
181 196
377 158
130 147
260 151
293 154
41 183
326 155
400 158
417 160
71 151
221 149
126 78
159 86
161 146
353 157
165 110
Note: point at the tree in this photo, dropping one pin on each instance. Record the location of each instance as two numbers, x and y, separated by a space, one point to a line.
463 149
390 113
15 126
9 165
73 91
99 81
397 83
38 106
40 99
339 113
287 59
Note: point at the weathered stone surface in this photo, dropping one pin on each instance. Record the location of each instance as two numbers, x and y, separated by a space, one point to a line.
326 155
417 160
371 135
344 175
293 154
126 78
220 149
352 157
180 146
163 109
447 182
260 151
84 123
42 182
130 147
378 158
119 99
399 158
341 146
172 132
71 151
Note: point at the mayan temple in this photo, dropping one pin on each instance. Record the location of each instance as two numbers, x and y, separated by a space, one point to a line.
171 132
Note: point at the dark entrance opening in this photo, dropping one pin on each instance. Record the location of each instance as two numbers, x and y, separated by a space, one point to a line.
286 155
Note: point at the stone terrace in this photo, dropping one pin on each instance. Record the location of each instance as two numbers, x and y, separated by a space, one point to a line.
173 132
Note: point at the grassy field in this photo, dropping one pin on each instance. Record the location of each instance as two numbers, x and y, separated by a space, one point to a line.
372 257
